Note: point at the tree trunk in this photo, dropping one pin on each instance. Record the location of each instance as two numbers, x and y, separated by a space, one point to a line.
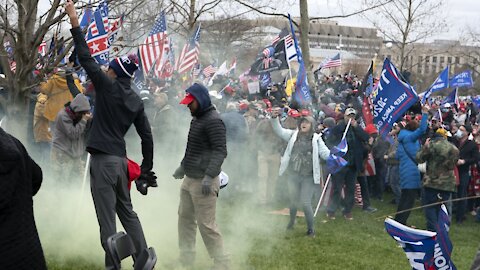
191 15
304 29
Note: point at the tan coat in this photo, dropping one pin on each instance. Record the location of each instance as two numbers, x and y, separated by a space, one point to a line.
41 130
58 95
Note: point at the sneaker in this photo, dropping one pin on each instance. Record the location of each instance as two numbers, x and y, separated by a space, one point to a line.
370 209
331 216
311 233
348 216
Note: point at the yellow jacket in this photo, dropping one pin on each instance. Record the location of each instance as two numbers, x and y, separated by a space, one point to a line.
41 125
58 95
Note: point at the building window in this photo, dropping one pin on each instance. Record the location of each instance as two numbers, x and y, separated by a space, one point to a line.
449 60
434 59
457 60
427 59
442 59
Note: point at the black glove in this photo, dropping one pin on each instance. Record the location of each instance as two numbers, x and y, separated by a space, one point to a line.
179 173
142 186
146 180
207 185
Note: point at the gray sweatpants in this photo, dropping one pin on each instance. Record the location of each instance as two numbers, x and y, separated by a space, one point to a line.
108 183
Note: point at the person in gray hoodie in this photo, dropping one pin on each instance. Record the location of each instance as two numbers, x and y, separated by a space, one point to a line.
68 142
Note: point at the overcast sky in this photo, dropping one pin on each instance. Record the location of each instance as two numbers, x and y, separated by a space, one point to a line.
460 14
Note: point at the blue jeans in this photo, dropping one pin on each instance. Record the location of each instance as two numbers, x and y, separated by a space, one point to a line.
393 177
301 190
429 196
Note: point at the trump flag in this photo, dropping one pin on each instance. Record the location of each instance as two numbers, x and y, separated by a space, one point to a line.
425 250
393 98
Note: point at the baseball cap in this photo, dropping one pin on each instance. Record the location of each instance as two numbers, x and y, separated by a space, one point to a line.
189 98
349 111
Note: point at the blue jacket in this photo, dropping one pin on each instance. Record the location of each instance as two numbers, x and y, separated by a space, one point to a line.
409 141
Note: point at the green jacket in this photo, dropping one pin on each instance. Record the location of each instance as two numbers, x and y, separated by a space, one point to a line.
441 157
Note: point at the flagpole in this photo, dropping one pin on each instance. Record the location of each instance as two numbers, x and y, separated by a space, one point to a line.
346 128
323 194
330 175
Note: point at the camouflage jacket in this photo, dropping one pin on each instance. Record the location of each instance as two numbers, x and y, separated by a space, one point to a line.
441 157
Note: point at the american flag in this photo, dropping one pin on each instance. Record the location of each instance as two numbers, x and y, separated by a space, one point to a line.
335 61
190 52
267 56
283 33
115 26
13 66
209 71
42 49
97 35
196 70
155 47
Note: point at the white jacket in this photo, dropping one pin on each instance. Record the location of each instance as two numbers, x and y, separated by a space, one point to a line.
320 150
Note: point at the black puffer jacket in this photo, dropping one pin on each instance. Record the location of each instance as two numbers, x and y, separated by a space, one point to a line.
207 144
117 106
20 179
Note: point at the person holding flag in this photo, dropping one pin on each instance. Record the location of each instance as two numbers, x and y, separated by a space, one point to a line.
355 137
302 160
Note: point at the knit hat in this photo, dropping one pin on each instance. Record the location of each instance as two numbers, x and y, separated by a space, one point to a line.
371 129
124 66
442 132
329 122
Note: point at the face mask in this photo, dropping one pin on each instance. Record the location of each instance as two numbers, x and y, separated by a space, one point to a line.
459 134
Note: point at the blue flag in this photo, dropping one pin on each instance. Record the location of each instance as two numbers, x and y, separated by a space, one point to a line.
425 250
341 149
302 91
452 98
462 79
87 17
335 163
97 34
393 98
265 80
441 82
476 101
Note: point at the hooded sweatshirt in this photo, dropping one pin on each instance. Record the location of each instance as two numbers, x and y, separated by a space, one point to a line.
207 143
117 107
68 133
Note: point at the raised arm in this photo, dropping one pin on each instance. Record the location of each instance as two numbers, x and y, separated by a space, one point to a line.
99 79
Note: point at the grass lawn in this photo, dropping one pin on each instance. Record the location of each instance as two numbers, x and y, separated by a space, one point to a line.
258 240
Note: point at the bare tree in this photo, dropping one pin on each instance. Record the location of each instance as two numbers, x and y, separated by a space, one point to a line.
405 22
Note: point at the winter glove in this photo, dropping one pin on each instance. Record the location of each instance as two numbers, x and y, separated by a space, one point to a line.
146 180
179 173
142 186
207 185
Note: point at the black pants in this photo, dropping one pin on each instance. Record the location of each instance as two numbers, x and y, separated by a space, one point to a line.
362 180
407 200
109 187
345 177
